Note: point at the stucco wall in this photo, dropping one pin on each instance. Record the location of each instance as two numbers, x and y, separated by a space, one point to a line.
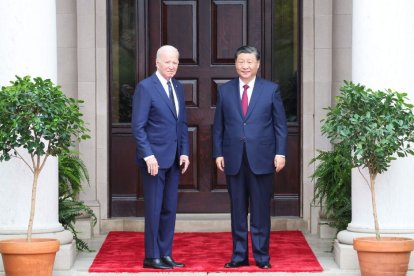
82 72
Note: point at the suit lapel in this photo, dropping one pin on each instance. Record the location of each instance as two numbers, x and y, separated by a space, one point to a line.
163 95
179 95
255 96
236 97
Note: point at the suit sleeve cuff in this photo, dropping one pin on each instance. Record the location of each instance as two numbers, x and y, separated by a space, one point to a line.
148 157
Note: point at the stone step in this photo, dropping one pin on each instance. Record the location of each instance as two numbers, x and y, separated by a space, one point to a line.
200 223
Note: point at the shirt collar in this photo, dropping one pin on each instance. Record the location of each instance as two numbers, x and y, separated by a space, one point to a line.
250 84
161 78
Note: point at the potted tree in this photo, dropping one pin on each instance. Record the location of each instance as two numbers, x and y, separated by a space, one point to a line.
378 127
37 118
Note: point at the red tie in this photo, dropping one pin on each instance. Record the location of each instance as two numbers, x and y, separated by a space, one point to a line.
244 101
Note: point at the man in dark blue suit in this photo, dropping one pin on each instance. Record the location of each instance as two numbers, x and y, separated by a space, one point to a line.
159 125
249 145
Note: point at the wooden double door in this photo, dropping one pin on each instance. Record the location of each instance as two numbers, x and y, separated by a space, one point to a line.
207 33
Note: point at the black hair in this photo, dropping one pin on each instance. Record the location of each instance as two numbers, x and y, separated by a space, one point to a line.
247 50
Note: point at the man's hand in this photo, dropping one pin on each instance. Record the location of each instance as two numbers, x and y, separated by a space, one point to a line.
184 161
279 163
152 165
220 163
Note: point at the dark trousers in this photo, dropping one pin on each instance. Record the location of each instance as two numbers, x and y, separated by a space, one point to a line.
160 201
246 187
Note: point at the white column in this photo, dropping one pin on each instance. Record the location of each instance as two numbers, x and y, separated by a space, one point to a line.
15 193
382 43
28 47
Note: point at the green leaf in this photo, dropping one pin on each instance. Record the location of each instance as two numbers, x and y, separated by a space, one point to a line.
376 124
36 111
72 174
332 178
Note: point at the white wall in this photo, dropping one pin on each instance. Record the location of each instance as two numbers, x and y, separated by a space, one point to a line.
28 47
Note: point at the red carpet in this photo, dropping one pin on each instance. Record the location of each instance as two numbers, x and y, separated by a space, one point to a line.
204 252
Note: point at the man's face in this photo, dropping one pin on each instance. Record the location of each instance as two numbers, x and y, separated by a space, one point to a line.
167 63
247 66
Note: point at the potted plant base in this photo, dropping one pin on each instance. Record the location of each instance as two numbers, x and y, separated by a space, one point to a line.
36 118
23 258
386 256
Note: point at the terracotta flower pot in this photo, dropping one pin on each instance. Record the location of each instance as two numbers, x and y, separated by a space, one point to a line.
22 258
386 256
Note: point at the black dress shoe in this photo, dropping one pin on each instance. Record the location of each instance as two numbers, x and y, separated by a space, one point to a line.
156 263
170 261
236 264
264 265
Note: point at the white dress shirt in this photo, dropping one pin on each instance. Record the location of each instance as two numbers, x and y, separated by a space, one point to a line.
165 85
249 90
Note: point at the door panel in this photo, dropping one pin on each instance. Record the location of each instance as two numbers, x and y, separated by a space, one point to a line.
206 33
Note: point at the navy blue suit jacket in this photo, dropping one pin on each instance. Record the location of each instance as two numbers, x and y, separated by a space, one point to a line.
263 131
155 127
